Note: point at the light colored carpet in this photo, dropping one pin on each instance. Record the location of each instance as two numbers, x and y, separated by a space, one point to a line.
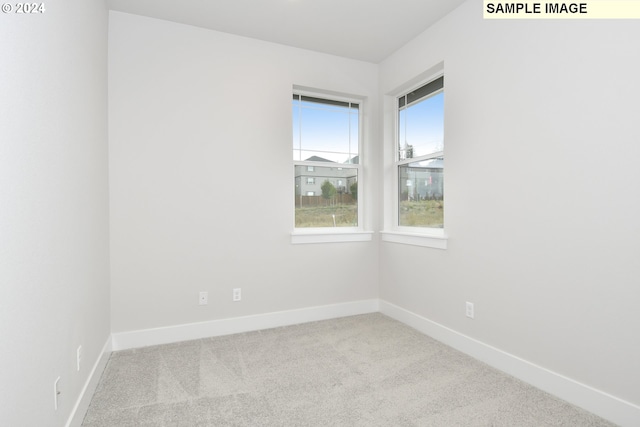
364 370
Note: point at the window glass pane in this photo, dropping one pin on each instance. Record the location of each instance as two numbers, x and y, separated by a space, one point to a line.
421 127
334 199
421 194
325 129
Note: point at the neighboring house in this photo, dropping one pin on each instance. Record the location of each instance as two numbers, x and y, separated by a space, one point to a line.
309 179
422 182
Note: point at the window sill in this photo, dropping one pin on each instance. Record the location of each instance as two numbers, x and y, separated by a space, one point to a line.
436 240
315 236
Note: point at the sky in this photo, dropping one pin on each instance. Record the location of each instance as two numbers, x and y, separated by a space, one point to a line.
422 125
328 131
331 132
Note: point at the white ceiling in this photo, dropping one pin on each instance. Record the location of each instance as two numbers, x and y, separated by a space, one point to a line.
368 30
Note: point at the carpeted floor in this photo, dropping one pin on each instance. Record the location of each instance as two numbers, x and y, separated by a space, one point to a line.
364 370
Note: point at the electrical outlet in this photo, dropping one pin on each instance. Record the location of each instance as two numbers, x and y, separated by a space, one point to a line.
204 298
78 357
56 393
470 310
237 294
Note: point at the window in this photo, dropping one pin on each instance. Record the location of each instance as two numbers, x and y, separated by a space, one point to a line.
420 156
326 147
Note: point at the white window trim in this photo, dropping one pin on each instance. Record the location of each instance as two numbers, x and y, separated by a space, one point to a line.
320 235
336 234
433 239
436 238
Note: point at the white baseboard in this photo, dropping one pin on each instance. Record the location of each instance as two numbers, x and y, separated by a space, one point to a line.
595 401
234 325
598 402
82 404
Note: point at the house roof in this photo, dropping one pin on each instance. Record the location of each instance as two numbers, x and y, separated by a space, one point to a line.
318 159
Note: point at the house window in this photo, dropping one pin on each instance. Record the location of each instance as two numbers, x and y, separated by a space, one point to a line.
326 147
420 156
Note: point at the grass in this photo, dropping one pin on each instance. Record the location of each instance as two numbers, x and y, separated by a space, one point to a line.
423 213
322 216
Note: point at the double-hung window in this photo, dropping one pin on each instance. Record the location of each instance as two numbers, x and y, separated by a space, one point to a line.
419 160
326 162
414 162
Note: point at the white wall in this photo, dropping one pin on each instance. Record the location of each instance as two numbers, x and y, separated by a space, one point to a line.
201 177
545 114
200 123
54 283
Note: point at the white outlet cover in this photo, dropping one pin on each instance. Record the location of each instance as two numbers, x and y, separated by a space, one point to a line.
469 308
204 298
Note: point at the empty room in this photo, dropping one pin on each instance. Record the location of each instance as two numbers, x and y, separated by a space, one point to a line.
237 212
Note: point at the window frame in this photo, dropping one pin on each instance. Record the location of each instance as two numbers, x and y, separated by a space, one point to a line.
333 234
394 232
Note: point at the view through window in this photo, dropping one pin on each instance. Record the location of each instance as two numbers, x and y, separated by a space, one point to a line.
326 144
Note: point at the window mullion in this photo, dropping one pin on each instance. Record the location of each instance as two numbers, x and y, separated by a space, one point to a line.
326 164
435 155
